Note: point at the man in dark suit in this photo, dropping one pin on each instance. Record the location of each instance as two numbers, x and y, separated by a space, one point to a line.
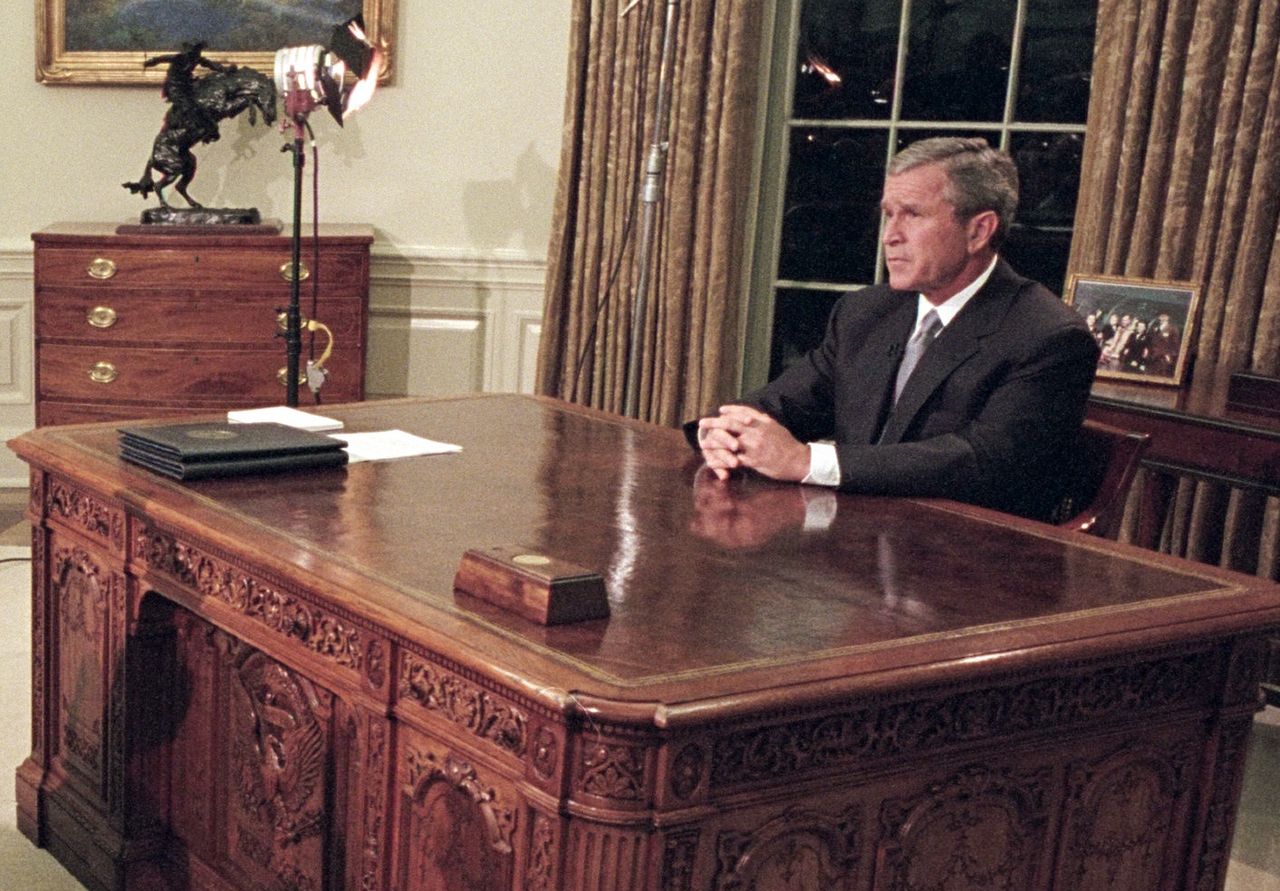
959 378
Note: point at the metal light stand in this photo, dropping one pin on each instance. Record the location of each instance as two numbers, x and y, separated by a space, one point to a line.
297 106
655 171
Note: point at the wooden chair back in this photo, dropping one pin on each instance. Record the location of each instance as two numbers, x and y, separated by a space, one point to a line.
1102 468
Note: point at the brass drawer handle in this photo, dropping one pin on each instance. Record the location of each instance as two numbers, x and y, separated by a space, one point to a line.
283 377
103 373
101 317
286 271
101 268
282 321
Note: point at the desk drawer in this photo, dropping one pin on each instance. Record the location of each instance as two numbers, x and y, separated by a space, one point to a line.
53 411
156 322
113 266
101 374
83 315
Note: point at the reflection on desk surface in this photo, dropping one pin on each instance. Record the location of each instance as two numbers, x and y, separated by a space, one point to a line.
617 497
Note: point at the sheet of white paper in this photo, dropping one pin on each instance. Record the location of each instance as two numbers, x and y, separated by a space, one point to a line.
281 414
383 444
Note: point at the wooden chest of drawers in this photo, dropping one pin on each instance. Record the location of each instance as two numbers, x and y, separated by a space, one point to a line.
131 326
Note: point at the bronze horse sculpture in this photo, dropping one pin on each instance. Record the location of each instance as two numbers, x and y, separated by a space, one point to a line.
197 106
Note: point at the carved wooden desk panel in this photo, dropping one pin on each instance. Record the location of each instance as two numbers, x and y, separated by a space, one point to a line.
131 326
268 682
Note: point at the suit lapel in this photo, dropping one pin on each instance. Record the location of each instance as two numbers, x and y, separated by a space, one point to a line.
957 342
875 368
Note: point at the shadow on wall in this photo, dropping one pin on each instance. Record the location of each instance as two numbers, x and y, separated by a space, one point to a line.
498 211
389 331
248 164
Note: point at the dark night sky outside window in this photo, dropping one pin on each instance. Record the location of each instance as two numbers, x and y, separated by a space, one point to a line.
871 76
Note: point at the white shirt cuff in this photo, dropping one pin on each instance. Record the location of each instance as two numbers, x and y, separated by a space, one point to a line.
824 466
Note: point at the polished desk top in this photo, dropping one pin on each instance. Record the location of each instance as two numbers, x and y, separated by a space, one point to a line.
719 597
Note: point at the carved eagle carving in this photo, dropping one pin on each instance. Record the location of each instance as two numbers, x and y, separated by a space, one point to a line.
288 742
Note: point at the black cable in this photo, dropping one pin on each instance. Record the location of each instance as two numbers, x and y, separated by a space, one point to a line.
637 111
315 250
15 560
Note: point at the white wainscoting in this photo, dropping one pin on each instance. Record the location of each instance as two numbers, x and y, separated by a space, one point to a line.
440 323
17 352
443 324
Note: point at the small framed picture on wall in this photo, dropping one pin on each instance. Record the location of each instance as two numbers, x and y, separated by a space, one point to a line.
1143 326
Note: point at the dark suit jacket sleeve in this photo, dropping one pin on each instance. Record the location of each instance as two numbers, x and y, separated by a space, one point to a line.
1010 455
801 399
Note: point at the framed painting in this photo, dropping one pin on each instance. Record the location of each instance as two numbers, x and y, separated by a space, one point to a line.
1142 326
107 41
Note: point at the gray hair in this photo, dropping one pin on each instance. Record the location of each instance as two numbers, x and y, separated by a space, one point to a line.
980 178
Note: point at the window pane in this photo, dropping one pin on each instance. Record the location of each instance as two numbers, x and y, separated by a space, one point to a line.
1057 54
1049 171
799 321
845 56
958 60
908 135
832 215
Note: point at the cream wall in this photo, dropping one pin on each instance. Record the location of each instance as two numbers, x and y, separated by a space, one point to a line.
454 164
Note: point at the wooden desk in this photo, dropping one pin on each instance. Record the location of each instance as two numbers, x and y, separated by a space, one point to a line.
269 683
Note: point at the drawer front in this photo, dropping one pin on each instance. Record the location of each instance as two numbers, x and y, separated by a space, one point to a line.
107 266
116 317
52 412
206 376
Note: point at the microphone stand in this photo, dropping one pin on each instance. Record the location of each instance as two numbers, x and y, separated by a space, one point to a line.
655 170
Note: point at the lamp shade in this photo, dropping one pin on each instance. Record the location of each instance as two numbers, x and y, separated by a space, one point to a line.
341 76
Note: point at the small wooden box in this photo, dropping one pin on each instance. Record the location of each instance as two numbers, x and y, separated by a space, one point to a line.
543 589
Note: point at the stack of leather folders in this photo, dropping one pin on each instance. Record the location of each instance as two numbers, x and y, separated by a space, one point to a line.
218 448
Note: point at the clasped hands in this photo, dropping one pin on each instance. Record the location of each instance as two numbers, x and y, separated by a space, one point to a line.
741 436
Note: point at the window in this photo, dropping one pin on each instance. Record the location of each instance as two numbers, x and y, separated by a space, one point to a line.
855 81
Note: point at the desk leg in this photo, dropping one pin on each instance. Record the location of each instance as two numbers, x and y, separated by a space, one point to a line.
94 789
32 770
1219 809
1224 761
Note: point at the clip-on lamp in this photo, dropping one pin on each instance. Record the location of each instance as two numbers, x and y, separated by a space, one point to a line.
341 77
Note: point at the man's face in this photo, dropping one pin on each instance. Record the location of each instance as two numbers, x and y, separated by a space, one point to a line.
926 247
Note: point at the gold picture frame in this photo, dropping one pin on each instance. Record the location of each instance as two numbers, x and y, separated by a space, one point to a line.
91 64
1144 327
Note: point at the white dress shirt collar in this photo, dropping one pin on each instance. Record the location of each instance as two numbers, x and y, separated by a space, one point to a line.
948 308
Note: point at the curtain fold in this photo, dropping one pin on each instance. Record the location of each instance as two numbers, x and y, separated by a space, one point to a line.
690 342
1181 180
